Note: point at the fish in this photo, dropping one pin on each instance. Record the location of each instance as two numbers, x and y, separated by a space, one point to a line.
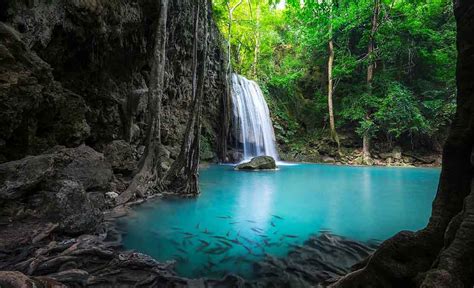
207 232
204 242
290 236
247 239
175 243
216 250
197 226
232 223
200 248
187 233
183 243
225 217
176 228
258 230
276 231
225 243
219 237
251 221
278 217
235 241
273 224
248 249
242 259
262 235
182 250
227 234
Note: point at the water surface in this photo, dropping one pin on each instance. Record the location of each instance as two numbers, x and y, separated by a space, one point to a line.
241 216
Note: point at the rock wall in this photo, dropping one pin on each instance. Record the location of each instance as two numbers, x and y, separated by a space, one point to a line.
74 72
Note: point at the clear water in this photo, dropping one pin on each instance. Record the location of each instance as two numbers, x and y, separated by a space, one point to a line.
251 119
243 215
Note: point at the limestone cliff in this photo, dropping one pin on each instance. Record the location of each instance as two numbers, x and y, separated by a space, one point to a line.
74 72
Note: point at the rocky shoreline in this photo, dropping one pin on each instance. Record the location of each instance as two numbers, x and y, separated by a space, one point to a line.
59 229
395 157
52 259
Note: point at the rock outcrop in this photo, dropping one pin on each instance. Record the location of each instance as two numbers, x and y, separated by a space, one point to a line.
59 186
74 79
258 163
74 72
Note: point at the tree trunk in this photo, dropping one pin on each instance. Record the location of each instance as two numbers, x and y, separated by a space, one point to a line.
149 166
442 254
370 78
182 177
366 147
229 33
332 125
257 41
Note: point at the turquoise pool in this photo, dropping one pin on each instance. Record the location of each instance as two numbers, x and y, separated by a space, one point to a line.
242 216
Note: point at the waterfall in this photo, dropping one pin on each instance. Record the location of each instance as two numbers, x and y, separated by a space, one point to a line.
251 119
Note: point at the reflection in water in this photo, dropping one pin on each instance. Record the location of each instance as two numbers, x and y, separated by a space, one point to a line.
242 216
256 204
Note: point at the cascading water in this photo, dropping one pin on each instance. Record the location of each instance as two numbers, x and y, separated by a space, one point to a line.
251 119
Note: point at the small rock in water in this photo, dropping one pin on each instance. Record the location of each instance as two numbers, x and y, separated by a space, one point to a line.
258 163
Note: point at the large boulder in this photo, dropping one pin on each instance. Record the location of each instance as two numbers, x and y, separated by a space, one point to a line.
34 173
69 206
258 163
65 186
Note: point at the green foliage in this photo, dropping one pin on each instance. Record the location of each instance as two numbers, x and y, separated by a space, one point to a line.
285 48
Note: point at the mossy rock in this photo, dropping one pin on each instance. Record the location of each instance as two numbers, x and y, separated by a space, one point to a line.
258 163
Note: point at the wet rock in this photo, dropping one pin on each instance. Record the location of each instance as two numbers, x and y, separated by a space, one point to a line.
70 206
120 155
328 159
258 163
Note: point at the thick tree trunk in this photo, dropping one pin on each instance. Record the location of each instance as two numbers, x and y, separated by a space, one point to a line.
442 254
148 173
182 177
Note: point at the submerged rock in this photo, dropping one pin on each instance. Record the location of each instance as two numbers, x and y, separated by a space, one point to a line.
320 260
258 163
